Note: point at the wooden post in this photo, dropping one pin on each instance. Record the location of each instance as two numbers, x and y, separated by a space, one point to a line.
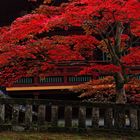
15 114
28 116
65 77
68 116
2 114
41 114
139 119
108 118
36 80
133 119
119 118
36 95
82 117
54 115
95 117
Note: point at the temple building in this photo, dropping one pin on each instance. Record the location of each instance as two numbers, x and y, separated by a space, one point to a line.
58 82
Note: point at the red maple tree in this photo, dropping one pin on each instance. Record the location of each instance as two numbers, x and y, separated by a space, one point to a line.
73 30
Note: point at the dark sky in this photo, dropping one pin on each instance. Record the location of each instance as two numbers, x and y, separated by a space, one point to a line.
11 9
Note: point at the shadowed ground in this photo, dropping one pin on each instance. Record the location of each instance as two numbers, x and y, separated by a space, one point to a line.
67 136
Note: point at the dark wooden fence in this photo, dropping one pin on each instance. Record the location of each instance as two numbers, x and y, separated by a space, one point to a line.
31 114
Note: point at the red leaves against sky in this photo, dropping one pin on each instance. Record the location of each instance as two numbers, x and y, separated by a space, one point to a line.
25 27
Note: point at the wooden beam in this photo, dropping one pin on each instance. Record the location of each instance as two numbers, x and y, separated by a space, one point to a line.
38 88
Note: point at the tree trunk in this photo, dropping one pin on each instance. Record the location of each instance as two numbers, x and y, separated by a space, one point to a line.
120 89
119 76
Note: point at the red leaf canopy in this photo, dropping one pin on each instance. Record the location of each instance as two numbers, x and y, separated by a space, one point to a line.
71 31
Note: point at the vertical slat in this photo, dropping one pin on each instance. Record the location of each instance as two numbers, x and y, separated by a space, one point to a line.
29 81
54 115
60 80
68 116
95 117
82 117
82 78
133 119
2 114
28 116
15 114
78 79
45 80
56 79
119 118
71 79
75 79
41 114
108 118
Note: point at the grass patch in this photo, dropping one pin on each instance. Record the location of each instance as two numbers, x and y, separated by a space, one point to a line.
65 136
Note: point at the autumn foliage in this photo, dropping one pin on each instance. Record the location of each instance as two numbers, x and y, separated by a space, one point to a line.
73 30
103 90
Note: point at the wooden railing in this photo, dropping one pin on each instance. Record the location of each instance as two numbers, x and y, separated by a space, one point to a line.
52 80
31 114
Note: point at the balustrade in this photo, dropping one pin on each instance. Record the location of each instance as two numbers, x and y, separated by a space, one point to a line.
107 116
